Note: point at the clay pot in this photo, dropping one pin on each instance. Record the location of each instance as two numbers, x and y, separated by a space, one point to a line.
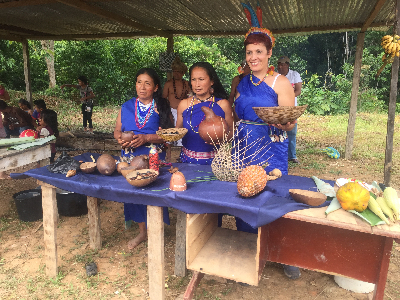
127 136
213 128
178 182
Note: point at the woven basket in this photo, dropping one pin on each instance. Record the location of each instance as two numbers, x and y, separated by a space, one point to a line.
172 134
279 114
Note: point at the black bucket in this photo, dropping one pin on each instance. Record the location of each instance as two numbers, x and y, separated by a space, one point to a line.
29 205
71 204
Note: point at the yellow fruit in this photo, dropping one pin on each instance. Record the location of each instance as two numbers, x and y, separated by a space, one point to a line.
251 181
353 196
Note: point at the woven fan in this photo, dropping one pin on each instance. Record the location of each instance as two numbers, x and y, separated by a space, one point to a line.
279 114
172 134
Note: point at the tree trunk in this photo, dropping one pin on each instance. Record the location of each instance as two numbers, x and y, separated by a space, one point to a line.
48 47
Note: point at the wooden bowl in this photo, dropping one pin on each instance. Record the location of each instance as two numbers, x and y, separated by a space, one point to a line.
88 167
279 114
141 178
172 134
122 164
307 197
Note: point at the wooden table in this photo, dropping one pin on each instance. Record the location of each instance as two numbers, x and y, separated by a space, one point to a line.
338 244
12 159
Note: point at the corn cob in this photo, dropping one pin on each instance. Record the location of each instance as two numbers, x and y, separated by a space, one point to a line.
375 208
385 209
391 199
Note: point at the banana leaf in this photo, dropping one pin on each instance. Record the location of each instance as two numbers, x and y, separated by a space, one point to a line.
16 141
335 205
368 216
33 143
324 188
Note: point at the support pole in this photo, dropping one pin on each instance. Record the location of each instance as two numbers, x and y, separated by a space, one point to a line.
354 95
27 71
392 107
170 49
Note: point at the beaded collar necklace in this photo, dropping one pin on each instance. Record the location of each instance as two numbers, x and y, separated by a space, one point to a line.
183 89
191 111
205 100
270 72
142 116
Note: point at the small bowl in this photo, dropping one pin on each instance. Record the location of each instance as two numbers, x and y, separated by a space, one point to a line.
307 197
279 114
126 170
121 165
88 167
132 177
172 134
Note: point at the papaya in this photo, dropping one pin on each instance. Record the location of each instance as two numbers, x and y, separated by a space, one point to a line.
353 196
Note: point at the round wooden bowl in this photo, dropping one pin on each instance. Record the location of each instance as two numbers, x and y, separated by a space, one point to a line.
307 197
172 134
122 164
279 114
141 178
88 167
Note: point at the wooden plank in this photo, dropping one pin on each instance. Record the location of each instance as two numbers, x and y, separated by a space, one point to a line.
155 232
379 291
373 14
262 251
229 254
49 204
93 205
21 158
81 143
199 230
180 244
194 282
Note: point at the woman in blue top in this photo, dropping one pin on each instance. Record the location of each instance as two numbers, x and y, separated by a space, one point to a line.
208 91
143 115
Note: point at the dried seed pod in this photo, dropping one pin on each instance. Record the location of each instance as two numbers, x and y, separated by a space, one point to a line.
71 173
275 172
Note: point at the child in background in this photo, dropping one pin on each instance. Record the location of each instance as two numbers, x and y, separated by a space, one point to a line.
48 126
87 96
25 106
40 105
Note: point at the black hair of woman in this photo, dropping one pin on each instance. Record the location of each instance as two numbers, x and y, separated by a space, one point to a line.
50 118
219 90
25 102
164 110
40 104
83 79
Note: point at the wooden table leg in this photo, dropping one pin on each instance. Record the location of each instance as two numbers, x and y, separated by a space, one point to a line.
49 204
155 232
379 291
93 205
194 282
180 244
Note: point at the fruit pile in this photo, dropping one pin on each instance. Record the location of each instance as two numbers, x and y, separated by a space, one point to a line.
391 46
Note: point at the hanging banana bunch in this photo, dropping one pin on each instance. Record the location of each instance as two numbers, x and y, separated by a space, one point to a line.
391 46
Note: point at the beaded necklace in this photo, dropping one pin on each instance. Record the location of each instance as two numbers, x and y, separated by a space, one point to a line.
183 89
142 116
270 72
211 105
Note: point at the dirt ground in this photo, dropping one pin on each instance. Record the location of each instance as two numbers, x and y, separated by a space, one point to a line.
123 274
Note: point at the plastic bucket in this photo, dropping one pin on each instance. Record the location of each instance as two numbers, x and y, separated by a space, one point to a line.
29 205
71 204
354 285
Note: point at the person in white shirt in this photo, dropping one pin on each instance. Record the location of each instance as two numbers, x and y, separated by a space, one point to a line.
295 80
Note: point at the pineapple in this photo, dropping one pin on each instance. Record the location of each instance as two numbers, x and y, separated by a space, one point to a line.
252 180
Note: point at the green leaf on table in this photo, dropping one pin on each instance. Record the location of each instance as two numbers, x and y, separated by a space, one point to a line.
368 216
335 205
16 141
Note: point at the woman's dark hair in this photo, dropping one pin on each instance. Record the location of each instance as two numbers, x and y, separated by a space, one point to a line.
25 102
3 104
83 79
219 90
50 118
258 38
40 104
164 110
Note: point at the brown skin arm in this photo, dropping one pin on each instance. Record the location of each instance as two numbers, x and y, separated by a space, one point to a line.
138 139
184 104
297 89
227 108
165 93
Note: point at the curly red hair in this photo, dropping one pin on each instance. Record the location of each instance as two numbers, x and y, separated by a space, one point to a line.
258 38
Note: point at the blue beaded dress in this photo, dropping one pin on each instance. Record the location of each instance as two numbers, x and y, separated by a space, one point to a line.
138 212
195 150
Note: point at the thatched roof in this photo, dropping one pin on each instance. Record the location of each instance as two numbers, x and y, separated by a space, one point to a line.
97 19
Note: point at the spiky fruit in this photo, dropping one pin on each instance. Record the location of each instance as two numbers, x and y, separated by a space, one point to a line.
353 196
251 181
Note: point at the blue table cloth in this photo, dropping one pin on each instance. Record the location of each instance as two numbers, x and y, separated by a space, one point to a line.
200 197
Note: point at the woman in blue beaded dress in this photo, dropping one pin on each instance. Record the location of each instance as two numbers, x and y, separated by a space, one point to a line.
208 91
143 115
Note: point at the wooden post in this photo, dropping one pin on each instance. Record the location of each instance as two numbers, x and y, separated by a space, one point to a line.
180 244
155 232
50 216
392 108
170 49
354 95
27 71
94 223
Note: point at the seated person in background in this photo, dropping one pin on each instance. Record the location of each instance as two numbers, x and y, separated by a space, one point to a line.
25 106
15 119
244 70
3 93
40 105
48 126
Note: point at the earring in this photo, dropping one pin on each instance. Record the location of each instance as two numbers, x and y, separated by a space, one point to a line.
211 90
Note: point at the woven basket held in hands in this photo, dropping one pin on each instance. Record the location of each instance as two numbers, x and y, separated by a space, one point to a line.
172 134
279 114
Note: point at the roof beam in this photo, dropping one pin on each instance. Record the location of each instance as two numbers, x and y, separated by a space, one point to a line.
20 3
112 16
20 31
371 17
